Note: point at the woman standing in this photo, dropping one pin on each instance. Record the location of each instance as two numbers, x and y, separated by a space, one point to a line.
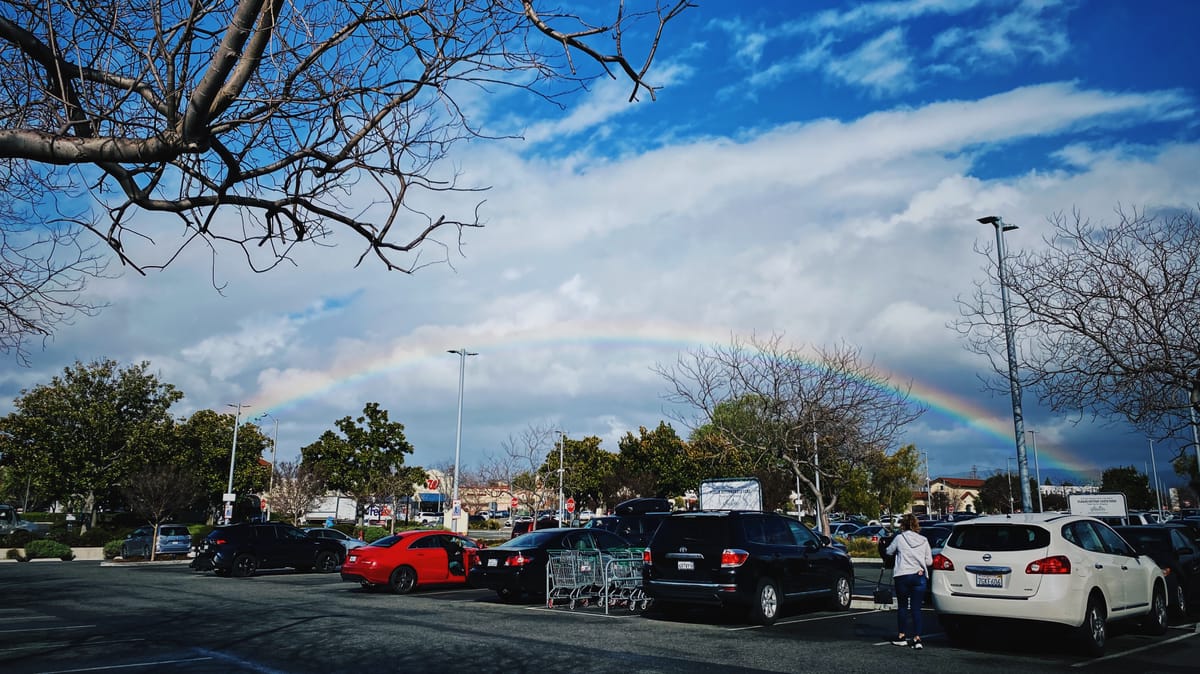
913 557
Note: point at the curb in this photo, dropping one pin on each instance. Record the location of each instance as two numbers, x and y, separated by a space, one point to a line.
165 562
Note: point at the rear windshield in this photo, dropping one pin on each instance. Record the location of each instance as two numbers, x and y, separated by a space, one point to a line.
999 537
682 530
173 531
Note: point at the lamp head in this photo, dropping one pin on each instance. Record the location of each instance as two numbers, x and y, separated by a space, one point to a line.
989 220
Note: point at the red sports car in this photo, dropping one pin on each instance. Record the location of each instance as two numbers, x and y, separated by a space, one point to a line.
411 558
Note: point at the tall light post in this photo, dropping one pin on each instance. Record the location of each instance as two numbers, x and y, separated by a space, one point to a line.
1194 399
1008 474
1014 384
274 447
456 507
230 497
1037 467
1157 485
562 441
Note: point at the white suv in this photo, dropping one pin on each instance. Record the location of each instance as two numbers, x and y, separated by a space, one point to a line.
1048 567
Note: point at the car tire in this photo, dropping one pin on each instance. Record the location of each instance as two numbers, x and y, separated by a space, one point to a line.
765 608
223 573
1156 622
327 562
1092 633
403 580
244 565
842 594
1180 605
509 595
145 552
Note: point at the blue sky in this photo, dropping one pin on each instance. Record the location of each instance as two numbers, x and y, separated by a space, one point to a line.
809 168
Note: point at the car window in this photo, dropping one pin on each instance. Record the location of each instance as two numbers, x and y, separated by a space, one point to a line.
999 537
466 543
777 531
1178 540
1112 541
290 534
753 530
426 543
802 534
173 531
387 541
1082 535
606 540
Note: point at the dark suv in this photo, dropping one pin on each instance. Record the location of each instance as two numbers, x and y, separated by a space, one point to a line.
635 520
739 558
241 549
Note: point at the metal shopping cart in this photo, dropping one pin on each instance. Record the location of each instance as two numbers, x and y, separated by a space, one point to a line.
623 580
574 577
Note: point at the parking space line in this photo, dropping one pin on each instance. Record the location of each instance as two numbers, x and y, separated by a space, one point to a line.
570 612
805 620
46 629
132 665
1139 649
74 646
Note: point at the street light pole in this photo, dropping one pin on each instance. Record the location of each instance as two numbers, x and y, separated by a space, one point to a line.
1194 399
1037 467
229 495
562 441
271 478
455 512
1014 384
1008 474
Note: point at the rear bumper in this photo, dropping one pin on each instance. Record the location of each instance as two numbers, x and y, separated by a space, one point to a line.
711 594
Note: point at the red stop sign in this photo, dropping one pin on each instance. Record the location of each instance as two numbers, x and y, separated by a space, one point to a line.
513 503
570 505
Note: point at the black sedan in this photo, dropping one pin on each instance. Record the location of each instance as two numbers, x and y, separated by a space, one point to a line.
1177 554
517 567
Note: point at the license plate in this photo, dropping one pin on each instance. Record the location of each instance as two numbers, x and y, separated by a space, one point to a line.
491 562
687 566
989 581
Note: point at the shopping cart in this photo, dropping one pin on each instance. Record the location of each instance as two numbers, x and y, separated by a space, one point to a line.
574 577
623 580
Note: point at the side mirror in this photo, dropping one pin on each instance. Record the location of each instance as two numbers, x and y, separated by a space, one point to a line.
825 540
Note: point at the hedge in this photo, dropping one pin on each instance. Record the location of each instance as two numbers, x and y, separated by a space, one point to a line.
47 549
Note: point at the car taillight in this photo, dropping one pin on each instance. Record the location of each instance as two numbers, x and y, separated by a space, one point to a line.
942 563
219 541
733 558
518 560
646 557
1058 564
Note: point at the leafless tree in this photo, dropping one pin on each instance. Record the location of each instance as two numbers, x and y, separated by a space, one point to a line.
1107 318
519 467
251 123
158 491
768 400
295 490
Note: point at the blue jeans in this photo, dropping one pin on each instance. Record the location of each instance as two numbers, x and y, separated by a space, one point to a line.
910 594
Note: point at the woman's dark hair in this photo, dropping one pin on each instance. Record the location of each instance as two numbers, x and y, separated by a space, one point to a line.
910 522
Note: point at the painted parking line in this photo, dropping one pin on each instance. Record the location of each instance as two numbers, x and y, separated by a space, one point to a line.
74 645
131 665
1195 631
46 629
796 621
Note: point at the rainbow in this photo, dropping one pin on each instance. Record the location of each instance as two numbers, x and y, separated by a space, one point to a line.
287 390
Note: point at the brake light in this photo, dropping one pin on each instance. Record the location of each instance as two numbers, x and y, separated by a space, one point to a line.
942 563
1056 565
733 558
646 557
219 541
518 559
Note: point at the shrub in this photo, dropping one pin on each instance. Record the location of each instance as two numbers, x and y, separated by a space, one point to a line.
19 539
112 549
372 534
47 549
862 547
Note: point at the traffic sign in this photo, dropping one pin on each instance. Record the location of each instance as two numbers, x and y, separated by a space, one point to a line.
514 502
570 505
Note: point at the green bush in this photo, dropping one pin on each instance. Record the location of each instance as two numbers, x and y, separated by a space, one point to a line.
862 547
47 549
112 549
19 539
492 524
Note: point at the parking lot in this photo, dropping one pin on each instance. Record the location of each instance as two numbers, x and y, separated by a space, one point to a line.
75 617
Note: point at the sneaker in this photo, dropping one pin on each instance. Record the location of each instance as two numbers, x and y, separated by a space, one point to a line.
900 642
917 645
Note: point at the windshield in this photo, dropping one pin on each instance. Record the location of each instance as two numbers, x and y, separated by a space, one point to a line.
535 539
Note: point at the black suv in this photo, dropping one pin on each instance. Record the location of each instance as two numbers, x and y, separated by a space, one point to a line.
241 549
635 520
751 559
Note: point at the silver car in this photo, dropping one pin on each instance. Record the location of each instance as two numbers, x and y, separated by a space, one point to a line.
347 541
173 539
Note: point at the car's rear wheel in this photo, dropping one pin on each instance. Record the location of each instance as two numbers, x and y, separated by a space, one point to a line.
840 601
1092 633
403 580
1181 605
765 608
1156 622
327 562
244 565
